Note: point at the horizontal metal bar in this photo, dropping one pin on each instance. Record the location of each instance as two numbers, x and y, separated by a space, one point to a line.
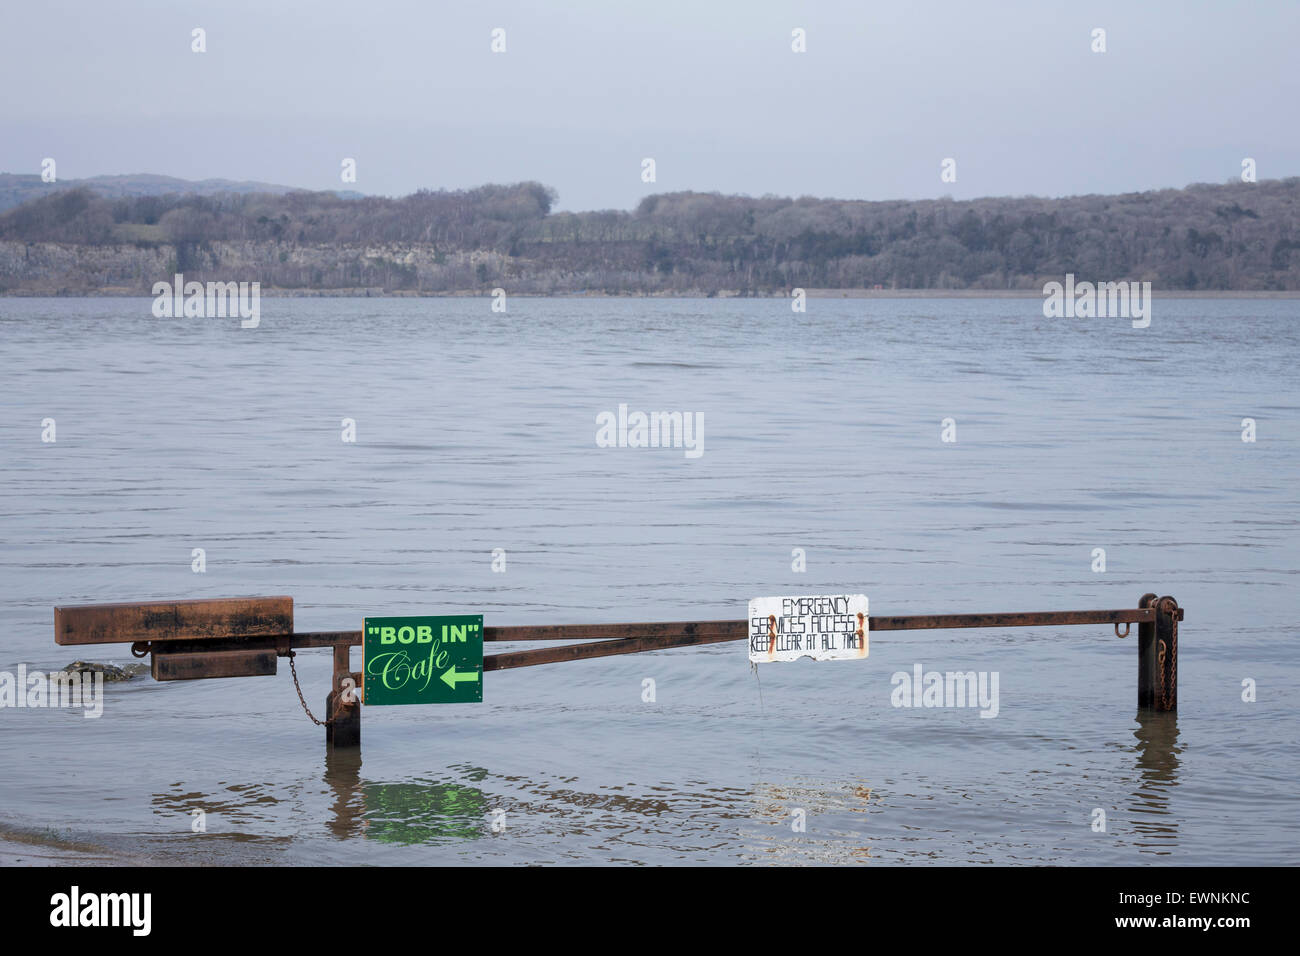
325 638
1140 615
733 630
711 632
603 632
653 635
168 663
738 630
579 652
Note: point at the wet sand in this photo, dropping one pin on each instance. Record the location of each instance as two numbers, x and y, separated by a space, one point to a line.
24 849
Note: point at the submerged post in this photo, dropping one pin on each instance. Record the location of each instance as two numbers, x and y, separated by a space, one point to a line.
343 727
1158 655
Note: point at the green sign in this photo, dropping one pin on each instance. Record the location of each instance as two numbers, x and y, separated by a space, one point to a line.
423 660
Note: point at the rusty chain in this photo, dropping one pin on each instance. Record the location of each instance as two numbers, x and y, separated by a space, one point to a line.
298 687
1169 606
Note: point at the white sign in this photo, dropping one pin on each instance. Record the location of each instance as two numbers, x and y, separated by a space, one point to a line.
825 628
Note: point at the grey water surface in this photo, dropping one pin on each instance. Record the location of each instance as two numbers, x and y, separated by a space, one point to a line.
476 431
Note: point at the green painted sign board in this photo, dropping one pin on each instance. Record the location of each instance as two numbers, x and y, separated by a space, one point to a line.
423 660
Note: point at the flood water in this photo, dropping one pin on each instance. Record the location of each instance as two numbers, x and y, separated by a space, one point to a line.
476 431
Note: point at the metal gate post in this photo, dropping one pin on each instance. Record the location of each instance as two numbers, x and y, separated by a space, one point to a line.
344 727
1158 655
1146 644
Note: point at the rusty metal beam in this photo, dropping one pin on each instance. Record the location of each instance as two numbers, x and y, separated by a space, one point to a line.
683 633
603 640
243 637
589 632
579 652
182 660
215 629
1014 619
206 619
666 636
324 639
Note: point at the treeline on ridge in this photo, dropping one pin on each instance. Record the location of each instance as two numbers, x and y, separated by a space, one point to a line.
1236 236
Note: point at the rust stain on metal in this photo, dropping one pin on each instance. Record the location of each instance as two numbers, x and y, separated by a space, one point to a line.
173 620
186 661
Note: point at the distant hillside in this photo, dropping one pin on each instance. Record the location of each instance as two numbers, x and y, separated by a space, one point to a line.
16 189
1237 236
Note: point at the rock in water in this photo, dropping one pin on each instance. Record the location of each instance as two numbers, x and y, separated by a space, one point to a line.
111 672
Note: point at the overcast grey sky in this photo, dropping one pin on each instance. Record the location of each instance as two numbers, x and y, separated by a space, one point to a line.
710 89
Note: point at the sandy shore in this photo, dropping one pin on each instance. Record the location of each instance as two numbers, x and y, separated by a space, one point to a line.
23 849
15 853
